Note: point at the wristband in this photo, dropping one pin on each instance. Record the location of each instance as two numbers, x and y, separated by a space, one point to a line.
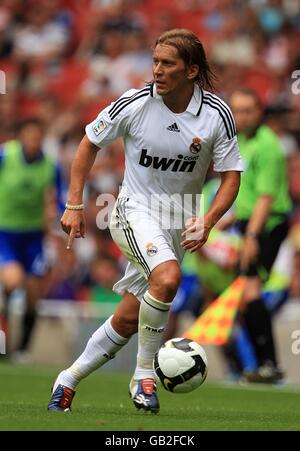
74 207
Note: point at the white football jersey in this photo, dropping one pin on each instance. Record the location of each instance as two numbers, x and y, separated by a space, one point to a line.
168 153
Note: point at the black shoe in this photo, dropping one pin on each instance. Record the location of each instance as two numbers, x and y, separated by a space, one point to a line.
265 374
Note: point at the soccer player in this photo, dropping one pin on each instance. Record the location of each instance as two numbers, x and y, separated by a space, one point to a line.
172 129
261 211
27 175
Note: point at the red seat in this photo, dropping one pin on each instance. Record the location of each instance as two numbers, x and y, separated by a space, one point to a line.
91 111
67 83
260 80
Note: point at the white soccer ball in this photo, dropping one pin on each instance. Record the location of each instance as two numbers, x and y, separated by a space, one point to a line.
181 365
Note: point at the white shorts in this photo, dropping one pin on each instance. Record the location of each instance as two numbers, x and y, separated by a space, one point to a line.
144 242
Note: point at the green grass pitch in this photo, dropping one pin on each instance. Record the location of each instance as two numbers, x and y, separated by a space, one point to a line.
102 403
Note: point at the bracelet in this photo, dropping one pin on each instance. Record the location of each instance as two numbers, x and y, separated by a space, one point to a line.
251 235
74 207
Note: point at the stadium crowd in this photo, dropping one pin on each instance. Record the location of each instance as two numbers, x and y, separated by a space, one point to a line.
64 60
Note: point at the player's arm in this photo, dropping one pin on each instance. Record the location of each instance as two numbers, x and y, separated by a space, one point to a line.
72 221
260 215
225 196
255 226
268 166
197 234
226 221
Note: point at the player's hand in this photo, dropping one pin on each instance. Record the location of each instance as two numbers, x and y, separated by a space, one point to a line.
196 234
73 223
249 252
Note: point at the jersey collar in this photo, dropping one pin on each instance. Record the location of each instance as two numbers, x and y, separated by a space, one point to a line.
195 105
40 156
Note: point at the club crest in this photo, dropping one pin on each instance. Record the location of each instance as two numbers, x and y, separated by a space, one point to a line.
195 147
151 249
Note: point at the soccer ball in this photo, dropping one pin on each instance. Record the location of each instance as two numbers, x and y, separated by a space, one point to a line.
181 365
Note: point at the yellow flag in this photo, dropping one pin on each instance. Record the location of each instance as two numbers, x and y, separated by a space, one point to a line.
215 324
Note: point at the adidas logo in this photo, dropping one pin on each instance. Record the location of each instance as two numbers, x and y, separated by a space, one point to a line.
173 128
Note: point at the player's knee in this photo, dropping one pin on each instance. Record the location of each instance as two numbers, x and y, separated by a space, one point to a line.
170 285
166 284
12 277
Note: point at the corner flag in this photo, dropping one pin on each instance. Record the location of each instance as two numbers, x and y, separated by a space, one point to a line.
215 324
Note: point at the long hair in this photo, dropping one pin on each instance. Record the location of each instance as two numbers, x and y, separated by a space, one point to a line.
191 51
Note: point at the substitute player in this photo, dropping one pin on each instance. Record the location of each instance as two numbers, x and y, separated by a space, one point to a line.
261 209
172 129
27 175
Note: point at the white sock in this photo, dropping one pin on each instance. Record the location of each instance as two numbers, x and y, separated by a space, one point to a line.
153 317
101 347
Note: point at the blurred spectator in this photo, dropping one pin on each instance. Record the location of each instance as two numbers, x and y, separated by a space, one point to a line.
60 281
294 177
6 44
295 241
104 274
126 57
8 117
276 118
231 46
43 37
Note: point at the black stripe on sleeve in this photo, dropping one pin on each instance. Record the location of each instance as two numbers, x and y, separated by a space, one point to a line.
118 111
225 109
122 100
200 108
222 116
125 101
151 88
